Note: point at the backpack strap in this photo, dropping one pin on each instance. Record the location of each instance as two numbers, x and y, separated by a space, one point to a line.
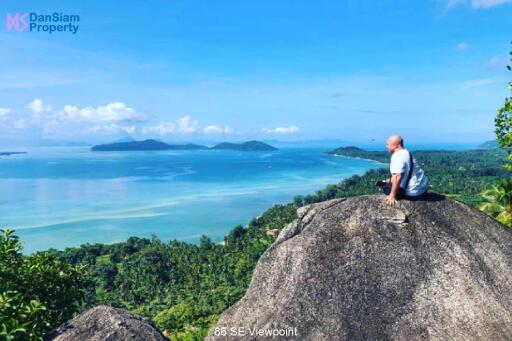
411 166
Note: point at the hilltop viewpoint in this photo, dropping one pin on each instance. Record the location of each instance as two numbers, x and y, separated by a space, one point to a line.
357 269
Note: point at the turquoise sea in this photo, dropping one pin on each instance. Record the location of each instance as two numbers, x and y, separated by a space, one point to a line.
66 196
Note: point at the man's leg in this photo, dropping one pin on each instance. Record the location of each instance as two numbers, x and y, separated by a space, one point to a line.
400 194
418 197
386 189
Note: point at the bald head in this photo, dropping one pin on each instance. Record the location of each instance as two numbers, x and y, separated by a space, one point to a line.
394 143
396 140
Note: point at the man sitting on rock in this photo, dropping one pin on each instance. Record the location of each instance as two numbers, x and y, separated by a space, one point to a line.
407 181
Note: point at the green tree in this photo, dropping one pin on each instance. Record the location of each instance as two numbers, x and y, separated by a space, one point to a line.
503 121
499 196
37 292
499 201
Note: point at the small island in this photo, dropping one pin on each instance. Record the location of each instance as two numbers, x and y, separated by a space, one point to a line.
348 151
148 145
246 146
11 153
355 152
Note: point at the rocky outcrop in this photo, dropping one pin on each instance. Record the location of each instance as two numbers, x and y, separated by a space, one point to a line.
106 323
357 269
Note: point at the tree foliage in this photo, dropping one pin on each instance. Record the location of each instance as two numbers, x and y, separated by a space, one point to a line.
503 121
498 201
499 197
38 292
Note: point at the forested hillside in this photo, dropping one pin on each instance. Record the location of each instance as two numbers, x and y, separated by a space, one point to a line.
459 174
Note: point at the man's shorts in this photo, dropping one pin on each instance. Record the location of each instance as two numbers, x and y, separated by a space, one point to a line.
386 189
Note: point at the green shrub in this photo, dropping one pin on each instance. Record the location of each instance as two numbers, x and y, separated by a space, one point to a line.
37 292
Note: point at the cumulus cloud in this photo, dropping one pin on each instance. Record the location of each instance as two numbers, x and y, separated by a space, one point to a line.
462 46
282 130
113 128
4 112
186 124
38 107
217 129
112 118
111 112
476 4
163 128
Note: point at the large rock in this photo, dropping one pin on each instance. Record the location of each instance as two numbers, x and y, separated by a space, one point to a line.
106 323
357 269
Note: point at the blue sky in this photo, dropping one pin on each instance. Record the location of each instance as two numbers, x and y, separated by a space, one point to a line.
433 71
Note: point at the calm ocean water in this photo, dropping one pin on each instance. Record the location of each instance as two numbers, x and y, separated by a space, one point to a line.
58 197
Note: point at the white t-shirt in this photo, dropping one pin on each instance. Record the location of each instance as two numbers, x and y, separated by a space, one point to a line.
400 163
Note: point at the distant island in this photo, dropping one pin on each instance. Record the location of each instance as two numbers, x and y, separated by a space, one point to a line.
351 151
246 146
348 151
11 153
150 144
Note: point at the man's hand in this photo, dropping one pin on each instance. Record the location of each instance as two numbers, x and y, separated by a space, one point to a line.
395 183
390 200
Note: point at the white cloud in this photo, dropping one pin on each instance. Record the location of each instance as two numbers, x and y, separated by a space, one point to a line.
163 128
462 46
476 4
497 62
111 112
183 124
129 130
4 112
186 124
217 129
476 83
453 3
110 128
38 107
282 130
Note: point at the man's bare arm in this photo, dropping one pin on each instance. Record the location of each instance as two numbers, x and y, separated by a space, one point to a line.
395 183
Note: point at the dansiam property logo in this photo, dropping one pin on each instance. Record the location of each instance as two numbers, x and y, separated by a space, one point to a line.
17 22
45 23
